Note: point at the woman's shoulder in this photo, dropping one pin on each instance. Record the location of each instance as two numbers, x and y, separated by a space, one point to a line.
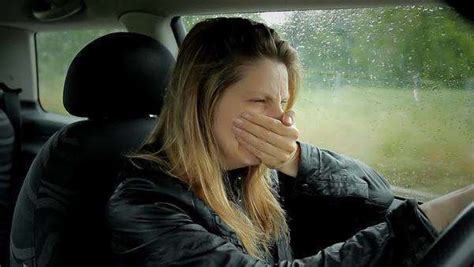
139 185
144 206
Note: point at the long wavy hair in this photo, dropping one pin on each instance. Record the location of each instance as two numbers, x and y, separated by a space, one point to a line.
209 61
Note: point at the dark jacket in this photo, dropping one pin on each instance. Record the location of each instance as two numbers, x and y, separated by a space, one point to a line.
336 207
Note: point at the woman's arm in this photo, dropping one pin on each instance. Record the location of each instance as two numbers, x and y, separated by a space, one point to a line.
443 210
146 231
324 173
331 198
317 171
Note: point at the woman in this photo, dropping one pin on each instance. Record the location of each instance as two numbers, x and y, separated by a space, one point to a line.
210 186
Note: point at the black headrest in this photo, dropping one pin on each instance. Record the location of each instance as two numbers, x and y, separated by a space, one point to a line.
118 75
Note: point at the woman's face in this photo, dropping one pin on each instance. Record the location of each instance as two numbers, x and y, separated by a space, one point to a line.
263 89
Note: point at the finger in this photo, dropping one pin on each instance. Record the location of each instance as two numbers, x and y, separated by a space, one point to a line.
266 159
271 124
288 118
282 142
261 144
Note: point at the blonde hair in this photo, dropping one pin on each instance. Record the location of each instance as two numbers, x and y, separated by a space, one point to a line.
209 61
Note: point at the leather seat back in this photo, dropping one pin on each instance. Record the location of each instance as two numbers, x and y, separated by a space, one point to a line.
116 82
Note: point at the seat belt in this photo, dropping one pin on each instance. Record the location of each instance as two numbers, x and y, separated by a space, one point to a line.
12 108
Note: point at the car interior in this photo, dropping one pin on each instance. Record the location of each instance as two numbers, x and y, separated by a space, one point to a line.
58 169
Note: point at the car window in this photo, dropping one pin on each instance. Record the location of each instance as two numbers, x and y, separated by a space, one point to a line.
391 86
55 51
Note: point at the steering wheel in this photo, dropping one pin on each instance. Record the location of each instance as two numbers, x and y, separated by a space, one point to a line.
455 246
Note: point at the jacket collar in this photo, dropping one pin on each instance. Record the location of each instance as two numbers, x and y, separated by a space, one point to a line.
235 173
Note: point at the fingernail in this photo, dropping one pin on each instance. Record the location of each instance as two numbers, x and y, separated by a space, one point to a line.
289 120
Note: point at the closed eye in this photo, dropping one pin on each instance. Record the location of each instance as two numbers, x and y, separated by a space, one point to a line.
283 102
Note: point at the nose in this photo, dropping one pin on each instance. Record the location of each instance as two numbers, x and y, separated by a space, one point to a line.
275 111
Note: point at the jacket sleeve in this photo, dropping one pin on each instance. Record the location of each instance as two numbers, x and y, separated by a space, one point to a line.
324 173
331 198
147 231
